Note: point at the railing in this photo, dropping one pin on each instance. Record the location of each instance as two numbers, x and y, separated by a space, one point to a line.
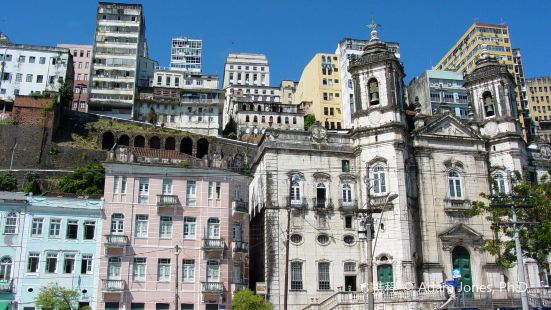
6 286
239 286
212 287
322 204
297 203
240 246
113 285
453 205
378 201
167 200
348 205
214 244
241 206
116 240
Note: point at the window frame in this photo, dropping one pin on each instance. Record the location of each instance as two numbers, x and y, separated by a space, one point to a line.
454 182
379 187
297 276
324 276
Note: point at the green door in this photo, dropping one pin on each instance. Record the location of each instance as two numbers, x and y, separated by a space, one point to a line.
462 260
385 276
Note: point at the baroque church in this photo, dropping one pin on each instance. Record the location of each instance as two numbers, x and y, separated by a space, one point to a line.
414 172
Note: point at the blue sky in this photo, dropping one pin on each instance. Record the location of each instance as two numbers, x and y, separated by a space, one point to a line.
290 32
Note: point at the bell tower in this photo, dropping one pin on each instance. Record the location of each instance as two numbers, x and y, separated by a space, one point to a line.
378 85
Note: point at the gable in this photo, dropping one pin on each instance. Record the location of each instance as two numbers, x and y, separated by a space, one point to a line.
461 234
447 125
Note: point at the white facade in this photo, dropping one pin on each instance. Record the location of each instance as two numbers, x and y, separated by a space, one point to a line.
184 80
246 69
28 69
251 93
186 54
348 49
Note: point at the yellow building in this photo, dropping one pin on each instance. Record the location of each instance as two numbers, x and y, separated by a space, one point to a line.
539 101
463 55
319 84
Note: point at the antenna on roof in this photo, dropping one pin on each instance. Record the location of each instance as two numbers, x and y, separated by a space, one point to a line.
501 21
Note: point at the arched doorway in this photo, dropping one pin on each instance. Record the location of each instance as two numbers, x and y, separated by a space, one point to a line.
186 146
170 143
107 140
139 141
385 276
461 260
202 147
124 140
155 142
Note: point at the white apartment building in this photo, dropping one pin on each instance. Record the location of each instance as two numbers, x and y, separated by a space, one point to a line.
347 49
31 69
119 59
246 69
236 94
165 77
186 54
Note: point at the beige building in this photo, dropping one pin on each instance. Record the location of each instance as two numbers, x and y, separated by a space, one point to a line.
320 84
493 40
539 91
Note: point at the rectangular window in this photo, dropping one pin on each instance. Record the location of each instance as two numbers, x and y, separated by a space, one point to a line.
211 190
218 190
42 60
18 77
69 263
36 229
167 187
191 193
72 229
22 59
165 227
348 222
86 264
213 271
345 165
142 222
39 79
115 185
237 274
29 78
163 270
51 262
296 276
188 272
139 269
190 225
32 263
55 228
162 306
123 185
323 274
89 230
143 190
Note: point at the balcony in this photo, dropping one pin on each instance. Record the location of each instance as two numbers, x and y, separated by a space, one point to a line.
457 206
377 203
240 247
297 203
113 286
322 204
212 287
214 248
348 206
116 241
6 286
170 201
241 206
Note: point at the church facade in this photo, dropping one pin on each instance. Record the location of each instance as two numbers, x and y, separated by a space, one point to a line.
413 174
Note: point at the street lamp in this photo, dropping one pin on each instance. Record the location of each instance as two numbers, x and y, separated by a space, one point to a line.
389 198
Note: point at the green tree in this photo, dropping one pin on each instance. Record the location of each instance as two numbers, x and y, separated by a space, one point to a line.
535 239
88 179
247 300
8 182
309 120
56 297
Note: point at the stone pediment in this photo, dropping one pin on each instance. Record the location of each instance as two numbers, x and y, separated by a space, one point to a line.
461 234
447 125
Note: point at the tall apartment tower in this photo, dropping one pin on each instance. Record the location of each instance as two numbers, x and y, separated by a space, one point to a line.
469 48
539 102
119 61
348 49
320 84
246 69
186 54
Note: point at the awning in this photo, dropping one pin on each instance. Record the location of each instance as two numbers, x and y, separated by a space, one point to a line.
4 304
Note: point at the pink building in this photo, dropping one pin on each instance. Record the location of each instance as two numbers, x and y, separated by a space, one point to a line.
173 238
82 57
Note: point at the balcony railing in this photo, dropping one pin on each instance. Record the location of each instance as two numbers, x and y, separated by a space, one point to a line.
297 203
322 203
456 205
167 201
351 205
240 246
116 240
113 285
213 244
241 206
6 286
212 287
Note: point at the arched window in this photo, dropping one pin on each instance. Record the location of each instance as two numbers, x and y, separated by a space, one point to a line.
258 108
246 118
255 119
117 223
499 185
271 119
379 180
295 189
263 119
294 120
489 107
279 119
346 193
244 107
5 268
373 89
11 223
286 120
454 181
213 228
